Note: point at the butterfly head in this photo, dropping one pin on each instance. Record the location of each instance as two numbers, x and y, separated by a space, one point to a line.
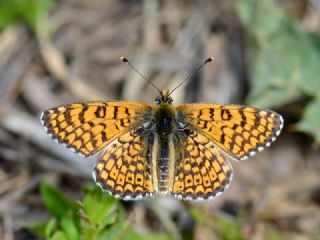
164 97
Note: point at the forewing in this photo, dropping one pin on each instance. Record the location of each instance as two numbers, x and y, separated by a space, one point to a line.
124 168
240 131
201 171
88 127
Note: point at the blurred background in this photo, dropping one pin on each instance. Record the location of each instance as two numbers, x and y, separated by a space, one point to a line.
266 54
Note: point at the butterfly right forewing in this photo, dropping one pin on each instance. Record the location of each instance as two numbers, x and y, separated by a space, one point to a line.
239 131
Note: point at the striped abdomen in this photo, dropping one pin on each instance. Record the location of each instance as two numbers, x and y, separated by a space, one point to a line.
163 165
163 118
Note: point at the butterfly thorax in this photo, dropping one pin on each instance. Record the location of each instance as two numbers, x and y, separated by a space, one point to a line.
163 119
164 114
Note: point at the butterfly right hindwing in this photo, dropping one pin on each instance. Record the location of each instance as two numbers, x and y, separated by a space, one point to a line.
201 170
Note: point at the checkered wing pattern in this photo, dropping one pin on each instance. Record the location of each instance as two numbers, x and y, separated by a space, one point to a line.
201 171
239 131
124 168
87 128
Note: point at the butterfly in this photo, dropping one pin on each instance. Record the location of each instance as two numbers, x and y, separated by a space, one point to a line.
163 149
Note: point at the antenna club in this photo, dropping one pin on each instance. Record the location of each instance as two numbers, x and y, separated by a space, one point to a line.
210 59
124 59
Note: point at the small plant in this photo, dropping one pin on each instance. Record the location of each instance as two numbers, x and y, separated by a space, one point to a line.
97 216
27 11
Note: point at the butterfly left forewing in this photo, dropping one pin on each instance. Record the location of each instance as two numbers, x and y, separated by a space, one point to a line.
88 127
239 131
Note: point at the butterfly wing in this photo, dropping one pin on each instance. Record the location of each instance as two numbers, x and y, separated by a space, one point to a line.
124 168
201 170
237 130
88 127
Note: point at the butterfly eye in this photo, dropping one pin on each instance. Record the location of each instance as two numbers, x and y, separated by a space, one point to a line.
139 131
170 100
158 100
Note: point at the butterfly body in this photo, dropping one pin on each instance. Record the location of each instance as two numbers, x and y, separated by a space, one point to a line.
163 149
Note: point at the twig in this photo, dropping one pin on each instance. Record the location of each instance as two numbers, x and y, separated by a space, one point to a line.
56 65
8 226
16 65
8 200
15 182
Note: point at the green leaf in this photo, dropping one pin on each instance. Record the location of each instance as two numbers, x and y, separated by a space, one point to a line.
59 235
97 217
29 11
99 208
198 215
98 211
35 9
260 16
116 231
69 228
132 234
38 228
228 230
56 203
126 232
310 121
51 228
283 59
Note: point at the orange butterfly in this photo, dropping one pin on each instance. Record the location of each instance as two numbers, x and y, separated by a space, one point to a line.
166 149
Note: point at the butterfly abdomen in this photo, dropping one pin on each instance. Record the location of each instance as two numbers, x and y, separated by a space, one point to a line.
163 118
163 166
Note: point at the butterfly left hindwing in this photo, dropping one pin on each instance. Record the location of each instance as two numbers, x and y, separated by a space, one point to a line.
125 166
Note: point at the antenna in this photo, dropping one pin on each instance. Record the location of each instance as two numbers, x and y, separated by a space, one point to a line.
197 70
125 60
